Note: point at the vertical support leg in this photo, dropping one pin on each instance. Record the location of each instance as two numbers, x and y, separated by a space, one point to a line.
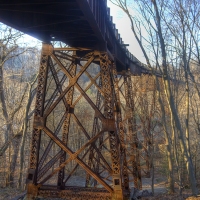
32 189
135 159
109 124
121 133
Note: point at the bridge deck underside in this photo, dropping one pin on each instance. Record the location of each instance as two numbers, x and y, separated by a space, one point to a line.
78 23
50 20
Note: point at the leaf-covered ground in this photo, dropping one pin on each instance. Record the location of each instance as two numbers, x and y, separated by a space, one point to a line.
9 193
160 188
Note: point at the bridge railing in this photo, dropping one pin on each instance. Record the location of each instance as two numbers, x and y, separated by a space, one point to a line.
109 31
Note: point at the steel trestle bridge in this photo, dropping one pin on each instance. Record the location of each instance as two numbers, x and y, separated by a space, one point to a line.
85 127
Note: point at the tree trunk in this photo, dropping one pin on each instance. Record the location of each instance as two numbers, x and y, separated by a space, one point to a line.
168 144
15 150
172 107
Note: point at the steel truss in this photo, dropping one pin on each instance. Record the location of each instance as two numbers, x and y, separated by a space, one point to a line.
85 133
77 90
140 111
147 110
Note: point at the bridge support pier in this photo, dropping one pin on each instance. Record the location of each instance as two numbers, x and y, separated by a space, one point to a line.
78 149
134 152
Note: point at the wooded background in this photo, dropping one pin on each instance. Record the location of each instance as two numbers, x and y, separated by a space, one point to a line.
166 107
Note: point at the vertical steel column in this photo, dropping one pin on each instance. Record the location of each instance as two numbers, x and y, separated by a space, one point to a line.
133 133
32 189
121 132
110 126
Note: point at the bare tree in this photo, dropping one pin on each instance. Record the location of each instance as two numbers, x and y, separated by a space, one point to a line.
14 87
